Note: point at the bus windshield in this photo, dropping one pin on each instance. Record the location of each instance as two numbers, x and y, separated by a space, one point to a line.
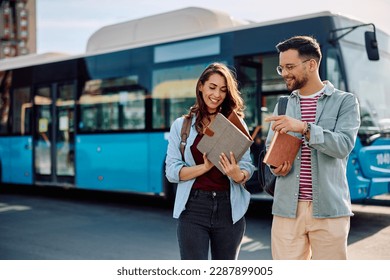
369 80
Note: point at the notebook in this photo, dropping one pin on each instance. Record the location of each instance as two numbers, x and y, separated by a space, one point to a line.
224 135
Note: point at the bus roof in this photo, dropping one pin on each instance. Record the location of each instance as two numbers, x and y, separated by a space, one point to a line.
166 26
186 23
30 59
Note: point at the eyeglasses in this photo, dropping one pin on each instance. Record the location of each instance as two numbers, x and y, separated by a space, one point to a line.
288 67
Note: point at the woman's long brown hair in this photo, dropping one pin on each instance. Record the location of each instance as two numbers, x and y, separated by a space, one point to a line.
233 100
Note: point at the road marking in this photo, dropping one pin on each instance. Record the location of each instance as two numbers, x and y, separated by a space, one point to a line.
250 245
5 207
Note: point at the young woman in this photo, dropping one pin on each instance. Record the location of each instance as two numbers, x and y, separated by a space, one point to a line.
210 206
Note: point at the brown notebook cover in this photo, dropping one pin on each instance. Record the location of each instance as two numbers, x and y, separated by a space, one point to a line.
283 147
223 136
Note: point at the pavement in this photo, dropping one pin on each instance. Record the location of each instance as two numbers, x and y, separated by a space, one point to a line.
374 241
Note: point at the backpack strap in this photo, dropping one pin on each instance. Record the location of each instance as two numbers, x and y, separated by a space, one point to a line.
282 105
185 132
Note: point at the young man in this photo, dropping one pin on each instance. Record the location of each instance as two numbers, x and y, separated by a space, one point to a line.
312 207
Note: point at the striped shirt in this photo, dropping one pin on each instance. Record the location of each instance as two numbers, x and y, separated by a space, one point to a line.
308 113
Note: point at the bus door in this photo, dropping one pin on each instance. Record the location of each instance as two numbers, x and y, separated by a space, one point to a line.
249 75
54 107
261 87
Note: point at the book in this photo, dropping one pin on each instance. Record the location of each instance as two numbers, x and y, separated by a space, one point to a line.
283 147
225 135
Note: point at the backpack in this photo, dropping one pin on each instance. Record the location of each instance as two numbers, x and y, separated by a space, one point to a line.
266 179
185 132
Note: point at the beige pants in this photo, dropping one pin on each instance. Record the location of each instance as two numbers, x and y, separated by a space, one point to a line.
306 237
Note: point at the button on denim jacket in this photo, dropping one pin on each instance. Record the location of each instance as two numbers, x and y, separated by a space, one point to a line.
332 138
239 196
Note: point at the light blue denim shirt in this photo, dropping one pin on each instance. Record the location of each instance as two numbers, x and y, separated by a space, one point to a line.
332 138
239 196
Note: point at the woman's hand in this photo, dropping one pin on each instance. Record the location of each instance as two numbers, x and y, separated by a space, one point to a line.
191 172
231 168
207 164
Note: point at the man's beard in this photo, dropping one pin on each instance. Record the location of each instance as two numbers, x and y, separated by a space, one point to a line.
296 83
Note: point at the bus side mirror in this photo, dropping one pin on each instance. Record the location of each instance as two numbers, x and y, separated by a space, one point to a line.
369 36
371 45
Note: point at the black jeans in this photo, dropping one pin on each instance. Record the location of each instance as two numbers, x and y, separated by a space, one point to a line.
207 223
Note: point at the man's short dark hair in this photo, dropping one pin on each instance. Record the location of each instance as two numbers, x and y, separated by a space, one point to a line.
306 46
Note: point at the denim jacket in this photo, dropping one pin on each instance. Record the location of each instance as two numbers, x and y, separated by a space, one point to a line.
332 138
239 196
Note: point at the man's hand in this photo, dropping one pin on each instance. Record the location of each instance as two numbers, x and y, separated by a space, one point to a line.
284 124
283 169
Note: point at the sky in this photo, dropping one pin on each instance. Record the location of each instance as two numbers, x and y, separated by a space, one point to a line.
65 25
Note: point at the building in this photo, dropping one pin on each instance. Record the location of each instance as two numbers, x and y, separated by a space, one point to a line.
17 27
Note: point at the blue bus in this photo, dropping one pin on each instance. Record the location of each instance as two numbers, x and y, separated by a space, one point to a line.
100 120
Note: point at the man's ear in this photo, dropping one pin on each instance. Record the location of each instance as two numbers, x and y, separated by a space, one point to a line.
313 65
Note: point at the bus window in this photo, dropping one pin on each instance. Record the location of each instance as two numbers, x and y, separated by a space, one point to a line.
5 86
174 93
112 104
21 111
333 70
272 82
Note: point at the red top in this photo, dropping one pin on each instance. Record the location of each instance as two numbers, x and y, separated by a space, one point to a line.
212 180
